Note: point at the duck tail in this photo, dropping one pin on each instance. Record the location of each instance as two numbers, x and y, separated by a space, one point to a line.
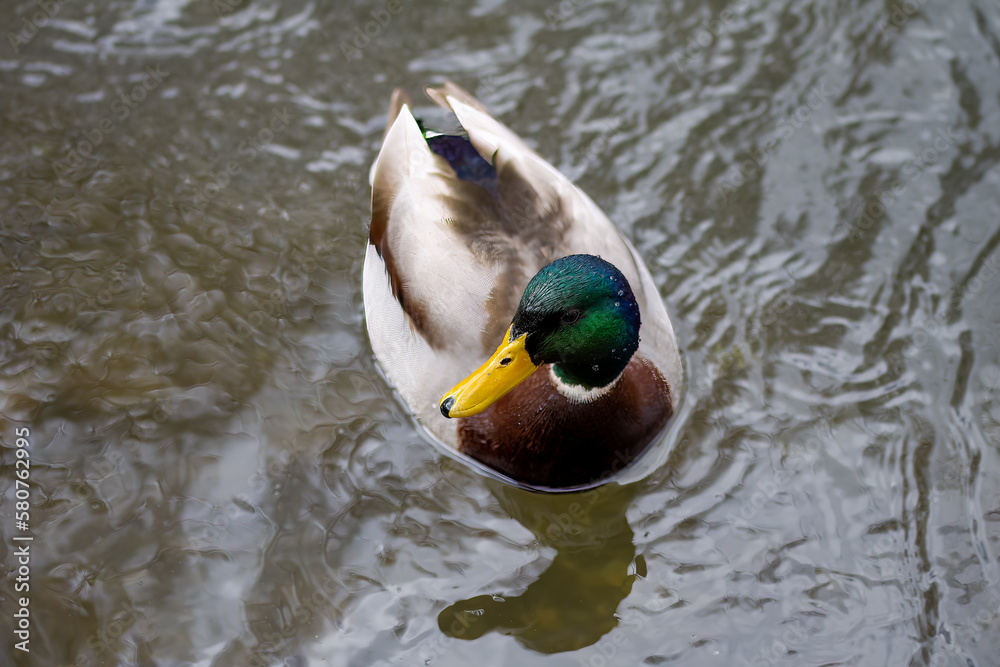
396 102
440 95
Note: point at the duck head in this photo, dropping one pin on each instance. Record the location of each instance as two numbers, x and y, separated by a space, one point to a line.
578 314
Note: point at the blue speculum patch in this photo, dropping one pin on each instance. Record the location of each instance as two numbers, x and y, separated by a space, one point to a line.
463 158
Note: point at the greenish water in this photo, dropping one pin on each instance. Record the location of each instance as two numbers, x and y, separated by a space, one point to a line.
220 475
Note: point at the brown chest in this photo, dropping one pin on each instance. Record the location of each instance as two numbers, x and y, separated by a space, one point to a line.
538 436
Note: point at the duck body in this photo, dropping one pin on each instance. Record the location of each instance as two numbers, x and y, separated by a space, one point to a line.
476 240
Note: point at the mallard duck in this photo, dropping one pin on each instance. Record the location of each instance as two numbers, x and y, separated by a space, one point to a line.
476 242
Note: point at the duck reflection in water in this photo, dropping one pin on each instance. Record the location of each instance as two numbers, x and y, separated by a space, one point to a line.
573 603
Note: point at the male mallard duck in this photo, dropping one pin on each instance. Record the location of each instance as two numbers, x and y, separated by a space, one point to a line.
477 240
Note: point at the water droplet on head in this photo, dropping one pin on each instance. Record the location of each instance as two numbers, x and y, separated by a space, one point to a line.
596 367
621 292
617 304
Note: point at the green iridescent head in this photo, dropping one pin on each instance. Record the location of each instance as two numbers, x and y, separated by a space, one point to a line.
579 313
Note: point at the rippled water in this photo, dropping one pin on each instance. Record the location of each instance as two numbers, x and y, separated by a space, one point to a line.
220 475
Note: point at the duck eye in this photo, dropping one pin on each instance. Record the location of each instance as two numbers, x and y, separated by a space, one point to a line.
571 316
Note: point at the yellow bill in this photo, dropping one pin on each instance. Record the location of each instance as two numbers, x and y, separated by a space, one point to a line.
509 366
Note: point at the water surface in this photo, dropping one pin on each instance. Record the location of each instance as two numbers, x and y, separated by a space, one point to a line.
220 475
